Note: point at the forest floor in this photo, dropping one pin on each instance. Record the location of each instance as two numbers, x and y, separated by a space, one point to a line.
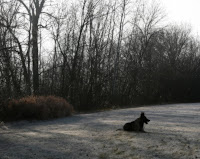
172 133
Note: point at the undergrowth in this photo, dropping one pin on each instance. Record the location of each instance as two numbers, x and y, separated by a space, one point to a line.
36 107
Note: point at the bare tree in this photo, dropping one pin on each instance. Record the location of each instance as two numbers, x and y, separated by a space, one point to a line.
34 11
102 53
10 23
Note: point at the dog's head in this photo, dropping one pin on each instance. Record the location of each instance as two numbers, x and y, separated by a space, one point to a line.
144 118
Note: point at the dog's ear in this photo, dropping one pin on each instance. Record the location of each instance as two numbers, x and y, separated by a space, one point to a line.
142 114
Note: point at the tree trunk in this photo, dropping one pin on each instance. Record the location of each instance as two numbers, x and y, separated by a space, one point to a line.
35 56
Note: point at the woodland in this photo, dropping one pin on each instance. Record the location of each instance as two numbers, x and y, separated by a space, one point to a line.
96 53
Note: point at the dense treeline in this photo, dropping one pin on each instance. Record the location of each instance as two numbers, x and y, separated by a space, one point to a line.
101 53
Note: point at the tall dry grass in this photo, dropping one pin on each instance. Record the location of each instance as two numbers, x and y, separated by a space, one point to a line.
37 107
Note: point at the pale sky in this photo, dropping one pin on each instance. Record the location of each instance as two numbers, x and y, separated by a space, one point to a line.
183 11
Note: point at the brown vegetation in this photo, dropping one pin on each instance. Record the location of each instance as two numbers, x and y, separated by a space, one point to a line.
37 107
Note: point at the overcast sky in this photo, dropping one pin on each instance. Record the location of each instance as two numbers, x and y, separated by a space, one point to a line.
184 11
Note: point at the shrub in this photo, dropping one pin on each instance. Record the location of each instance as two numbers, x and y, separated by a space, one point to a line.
37 107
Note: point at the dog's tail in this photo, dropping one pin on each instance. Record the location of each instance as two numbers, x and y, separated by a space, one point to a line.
119 129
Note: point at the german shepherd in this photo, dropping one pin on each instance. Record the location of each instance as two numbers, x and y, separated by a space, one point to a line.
137 125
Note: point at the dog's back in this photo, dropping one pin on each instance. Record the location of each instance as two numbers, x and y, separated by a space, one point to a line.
132 126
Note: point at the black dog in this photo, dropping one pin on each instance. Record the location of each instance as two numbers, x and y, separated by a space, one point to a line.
137 125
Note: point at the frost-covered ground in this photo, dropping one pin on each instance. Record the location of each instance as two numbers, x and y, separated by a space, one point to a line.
173 133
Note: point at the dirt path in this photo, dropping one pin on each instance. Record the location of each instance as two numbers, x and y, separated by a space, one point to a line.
173 133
